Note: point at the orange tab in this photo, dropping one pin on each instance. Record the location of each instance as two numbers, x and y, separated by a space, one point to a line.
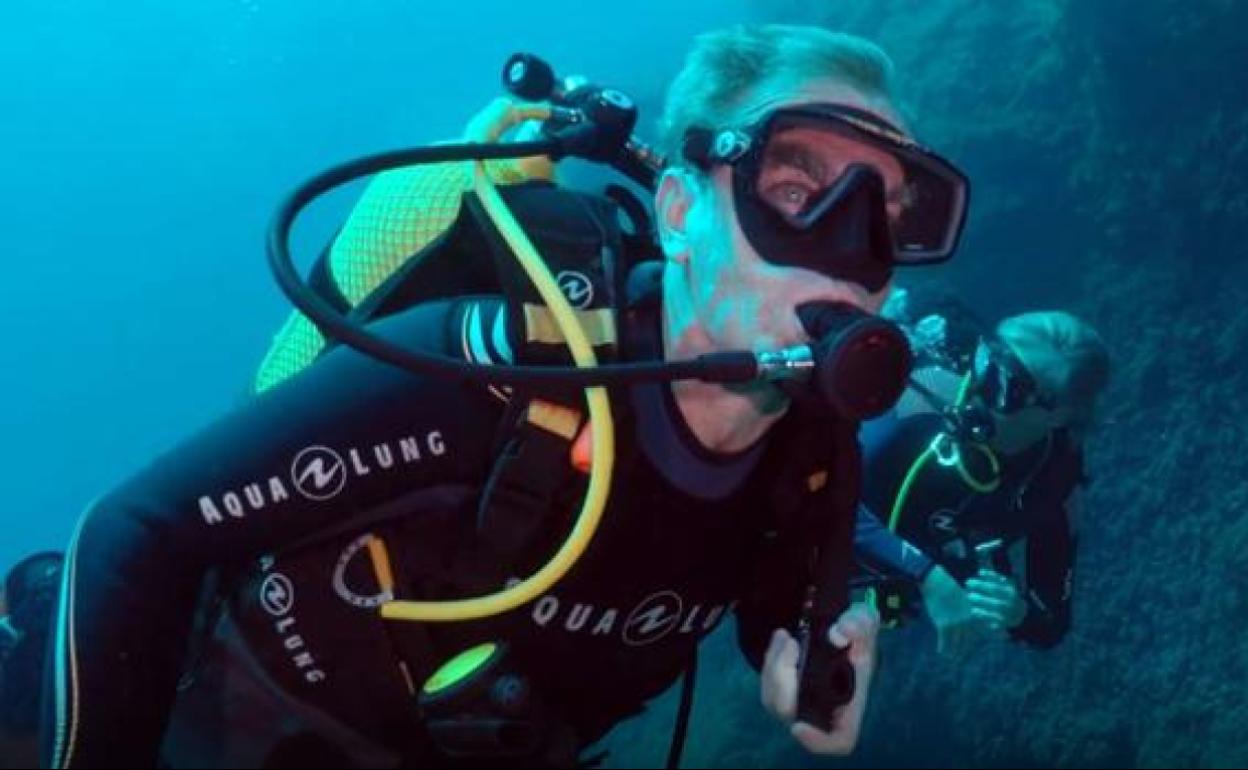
582 448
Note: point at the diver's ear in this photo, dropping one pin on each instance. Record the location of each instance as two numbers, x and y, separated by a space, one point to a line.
673 201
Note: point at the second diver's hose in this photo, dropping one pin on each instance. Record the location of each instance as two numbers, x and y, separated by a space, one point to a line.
955 459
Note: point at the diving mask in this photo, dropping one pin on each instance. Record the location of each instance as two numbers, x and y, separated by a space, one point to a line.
1003 382
838 190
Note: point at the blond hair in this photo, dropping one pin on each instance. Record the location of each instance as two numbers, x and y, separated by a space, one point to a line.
1067 357
725 67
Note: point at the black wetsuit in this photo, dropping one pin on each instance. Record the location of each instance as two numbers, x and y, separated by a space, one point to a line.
944 519
275 498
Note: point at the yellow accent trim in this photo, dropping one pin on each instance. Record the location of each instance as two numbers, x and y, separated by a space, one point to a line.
553 418
381 564
541 327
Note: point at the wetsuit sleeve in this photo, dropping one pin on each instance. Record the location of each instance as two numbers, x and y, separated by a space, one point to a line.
300 459
772 597
1051 548
879 547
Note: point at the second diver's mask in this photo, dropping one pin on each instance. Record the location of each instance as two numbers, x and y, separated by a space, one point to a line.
1003 382
996 388
811 187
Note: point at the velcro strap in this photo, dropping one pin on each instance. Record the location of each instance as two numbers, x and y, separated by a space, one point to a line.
540 326
554 418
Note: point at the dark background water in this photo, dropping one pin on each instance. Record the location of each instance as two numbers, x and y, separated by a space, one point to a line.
145 144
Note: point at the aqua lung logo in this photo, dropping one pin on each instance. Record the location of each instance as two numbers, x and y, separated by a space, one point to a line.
577 287
277 599
319 473
655 618
943 521
277 595
730 145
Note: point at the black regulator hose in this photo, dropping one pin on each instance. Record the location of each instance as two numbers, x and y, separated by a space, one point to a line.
730 366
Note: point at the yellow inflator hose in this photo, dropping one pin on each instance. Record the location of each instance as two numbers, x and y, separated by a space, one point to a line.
603 433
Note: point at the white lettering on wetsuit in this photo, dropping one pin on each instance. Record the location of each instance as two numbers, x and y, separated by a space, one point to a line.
653 619
277 598
320 473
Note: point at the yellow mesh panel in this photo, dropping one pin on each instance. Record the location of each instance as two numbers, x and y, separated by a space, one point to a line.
400 213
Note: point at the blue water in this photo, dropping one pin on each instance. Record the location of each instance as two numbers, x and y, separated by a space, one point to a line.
145 146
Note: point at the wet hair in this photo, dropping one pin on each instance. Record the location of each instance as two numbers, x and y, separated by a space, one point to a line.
726 67
1067 357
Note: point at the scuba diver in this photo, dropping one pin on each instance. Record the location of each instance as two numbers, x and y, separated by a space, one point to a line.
968 480
26 608
291 586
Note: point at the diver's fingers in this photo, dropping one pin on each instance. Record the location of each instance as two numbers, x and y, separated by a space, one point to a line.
988 603
784 649
856 629
994 620
999 587
779 678
817 741
994 576
860 620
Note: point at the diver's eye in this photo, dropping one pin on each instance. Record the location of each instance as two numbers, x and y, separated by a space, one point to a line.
903 196
789 197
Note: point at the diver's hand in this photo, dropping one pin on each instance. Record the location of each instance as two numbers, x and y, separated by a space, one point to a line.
857 627
995 600
950 609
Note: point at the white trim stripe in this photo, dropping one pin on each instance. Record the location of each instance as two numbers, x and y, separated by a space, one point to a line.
66 657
